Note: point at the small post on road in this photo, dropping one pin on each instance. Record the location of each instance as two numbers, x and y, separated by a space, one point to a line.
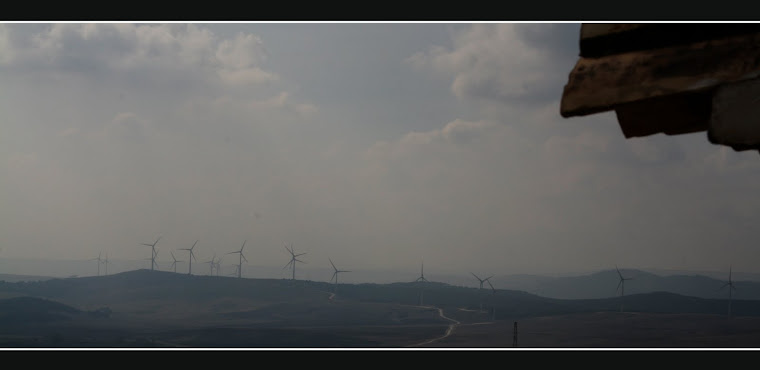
514 337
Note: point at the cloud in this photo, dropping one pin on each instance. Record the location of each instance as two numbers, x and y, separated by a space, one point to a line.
160 53
502 62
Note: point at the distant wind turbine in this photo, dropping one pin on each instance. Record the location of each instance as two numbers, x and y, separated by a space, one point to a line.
212 264
481 280
237 267
422 273
105 265
421 279
481 287
335 274
493 306
99 261
174 264
621 287
730 285
153 252
240 259
293 258
191 258
218 266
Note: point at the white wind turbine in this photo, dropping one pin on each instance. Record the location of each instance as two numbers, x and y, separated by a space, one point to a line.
293 258
240 259
191 258
174 263
99 261
335 274
153 252
730 285
621 286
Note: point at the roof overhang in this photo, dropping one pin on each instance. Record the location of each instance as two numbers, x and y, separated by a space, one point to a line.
665 78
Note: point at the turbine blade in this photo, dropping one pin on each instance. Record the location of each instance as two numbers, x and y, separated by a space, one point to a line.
333 265
618 287
618 271
245 259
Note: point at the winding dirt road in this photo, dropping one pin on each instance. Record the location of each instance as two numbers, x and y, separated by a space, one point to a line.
449 330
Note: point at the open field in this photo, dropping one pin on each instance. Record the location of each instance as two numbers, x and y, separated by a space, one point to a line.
167 310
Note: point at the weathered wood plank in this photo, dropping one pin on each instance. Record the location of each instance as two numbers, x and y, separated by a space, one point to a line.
600 84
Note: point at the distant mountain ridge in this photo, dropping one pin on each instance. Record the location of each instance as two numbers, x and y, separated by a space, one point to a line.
604 284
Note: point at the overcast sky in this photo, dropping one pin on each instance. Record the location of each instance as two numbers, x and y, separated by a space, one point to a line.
375 145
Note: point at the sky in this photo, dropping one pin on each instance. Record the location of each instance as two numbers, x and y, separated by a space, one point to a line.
374 145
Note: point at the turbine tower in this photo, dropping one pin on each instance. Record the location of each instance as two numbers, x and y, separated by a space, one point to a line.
218 266
105 265
99 262
730 285
621 287
212 264
174 264
481 280
421 279
153 252
237 267
493 307
240 260
335 274
293 258
191 258
481 287
422 273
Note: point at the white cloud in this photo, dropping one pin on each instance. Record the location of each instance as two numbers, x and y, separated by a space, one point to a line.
495 63
164 51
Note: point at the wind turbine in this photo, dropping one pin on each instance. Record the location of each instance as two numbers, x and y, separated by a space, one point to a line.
240 259
237 267
99 261
731 287
481 280
218 266
293 258
153 252
422 273
493 293
421 279
481 287
174 264
212 263
192 257
105 263
335 274
621 286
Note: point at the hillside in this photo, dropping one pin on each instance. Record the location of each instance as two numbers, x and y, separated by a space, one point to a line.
604 284
144 308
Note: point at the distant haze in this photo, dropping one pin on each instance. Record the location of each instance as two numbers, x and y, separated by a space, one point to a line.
380 146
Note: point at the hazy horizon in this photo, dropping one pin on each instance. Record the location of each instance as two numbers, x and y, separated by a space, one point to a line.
376 145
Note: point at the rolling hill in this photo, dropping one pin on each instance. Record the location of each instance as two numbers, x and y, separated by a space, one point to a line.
144 308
